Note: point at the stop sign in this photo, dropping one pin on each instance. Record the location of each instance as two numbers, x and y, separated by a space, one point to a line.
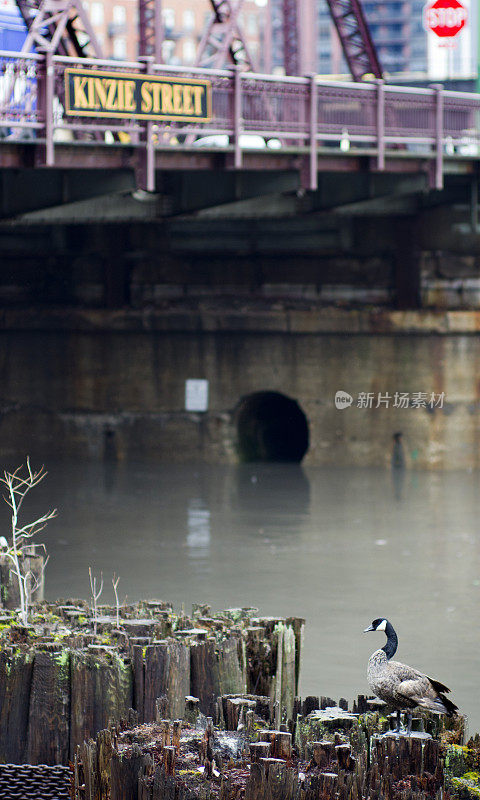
445 17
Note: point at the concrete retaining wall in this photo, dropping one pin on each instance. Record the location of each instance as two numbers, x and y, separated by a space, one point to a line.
112 384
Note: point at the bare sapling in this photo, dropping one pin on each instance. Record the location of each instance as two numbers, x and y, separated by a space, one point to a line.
115 582
18 484
95 596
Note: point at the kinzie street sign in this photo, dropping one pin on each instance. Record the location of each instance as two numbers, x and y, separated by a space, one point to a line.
91 93
446 18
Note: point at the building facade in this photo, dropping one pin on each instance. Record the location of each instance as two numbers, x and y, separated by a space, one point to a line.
184 22
403 44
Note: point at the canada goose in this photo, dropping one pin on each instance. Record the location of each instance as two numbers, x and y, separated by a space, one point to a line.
400 686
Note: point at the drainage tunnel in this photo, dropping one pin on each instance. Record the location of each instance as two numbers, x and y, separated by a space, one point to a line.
271 427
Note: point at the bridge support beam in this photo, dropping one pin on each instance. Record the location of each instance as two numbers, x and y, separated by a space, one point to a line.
145 173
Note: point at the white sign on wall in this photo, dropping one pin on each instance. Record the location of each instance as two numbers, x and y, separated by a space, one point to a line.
196 394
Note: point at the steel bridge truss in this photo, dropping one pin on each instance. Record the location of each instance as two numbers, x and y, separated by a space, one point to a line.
59 26
357 44
299 36
223 40
150 28
63 27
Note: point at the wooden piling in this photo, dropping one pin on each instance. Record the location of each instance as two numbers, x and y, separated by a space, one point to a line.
192 709
259 750
95 678
169 759
138 669
203 673
101 690
322 753
82 699
155 681
280 743
232 709
48 725
176 733
31 560
125 771
231 667
178 679
345 767
15 684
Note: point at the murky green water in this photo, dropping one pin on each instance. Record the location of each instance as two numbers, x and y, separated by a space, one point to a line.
339 547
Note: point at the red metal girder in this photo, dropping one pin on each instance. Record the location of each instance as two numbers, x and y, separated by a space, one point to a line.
290 37
357 44
150 29
299 37
59 26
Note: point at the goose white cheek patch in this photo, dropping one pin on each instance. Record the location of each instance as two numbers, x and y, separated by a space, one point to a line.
382 625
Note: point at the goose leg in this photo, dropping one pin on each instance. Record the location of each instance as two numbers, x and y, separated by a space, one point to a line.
409 723
398 722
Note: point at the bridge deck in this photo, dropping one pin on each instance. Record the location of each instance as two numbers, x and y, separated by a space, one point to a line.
244 121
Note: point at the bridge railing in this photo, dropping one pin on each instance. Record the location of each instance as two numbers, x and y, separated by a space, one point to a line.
253 111
18 92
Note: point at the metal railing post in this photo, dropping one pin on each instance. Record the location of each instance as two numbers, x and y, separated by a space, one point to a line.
380 124
47 86
237 116
147 156
438 94
313 165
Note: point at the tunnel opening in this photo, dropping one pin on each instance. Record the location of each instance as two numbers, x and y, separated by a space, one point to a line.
271 427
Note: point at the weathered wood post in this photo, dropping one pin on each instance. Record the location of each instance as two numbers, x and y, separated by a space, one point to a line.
30 561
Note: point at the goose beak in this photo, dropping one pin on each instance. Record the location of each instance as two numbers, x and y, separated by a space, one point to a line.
370 628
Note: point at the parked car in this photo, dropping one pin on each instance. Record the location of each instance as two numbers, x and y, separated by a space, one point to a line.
248 141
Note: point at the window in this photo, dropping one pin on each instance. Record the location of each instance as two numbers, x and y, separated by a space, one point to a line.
119 47
252 26
168 15
189 51
168 48
96 13
189 20
119 15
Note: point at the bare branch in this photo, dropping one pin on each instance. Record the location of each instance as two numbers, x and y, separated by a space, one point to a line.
41 521
115 581
95 595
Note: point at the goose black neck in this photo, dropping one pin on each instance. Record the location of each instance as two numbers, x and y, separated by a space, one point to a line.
392 641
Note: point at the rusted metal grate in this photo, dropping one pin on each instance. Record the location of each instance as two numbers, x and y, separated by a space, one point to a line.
29 782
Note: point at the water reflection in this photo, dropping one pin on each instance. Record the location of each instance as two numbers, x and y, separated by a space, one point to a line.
398 482
332 545
265 489
198 527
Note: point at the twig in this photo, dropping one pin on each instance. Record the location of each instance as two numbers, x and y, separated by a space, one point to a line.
95 596
115 581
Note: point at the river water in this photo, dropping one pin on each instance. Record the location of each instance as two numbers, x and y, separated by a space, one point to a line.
339 547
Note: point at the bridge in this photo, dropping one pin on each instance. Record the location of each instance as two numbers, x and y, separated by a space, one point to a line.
255 122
